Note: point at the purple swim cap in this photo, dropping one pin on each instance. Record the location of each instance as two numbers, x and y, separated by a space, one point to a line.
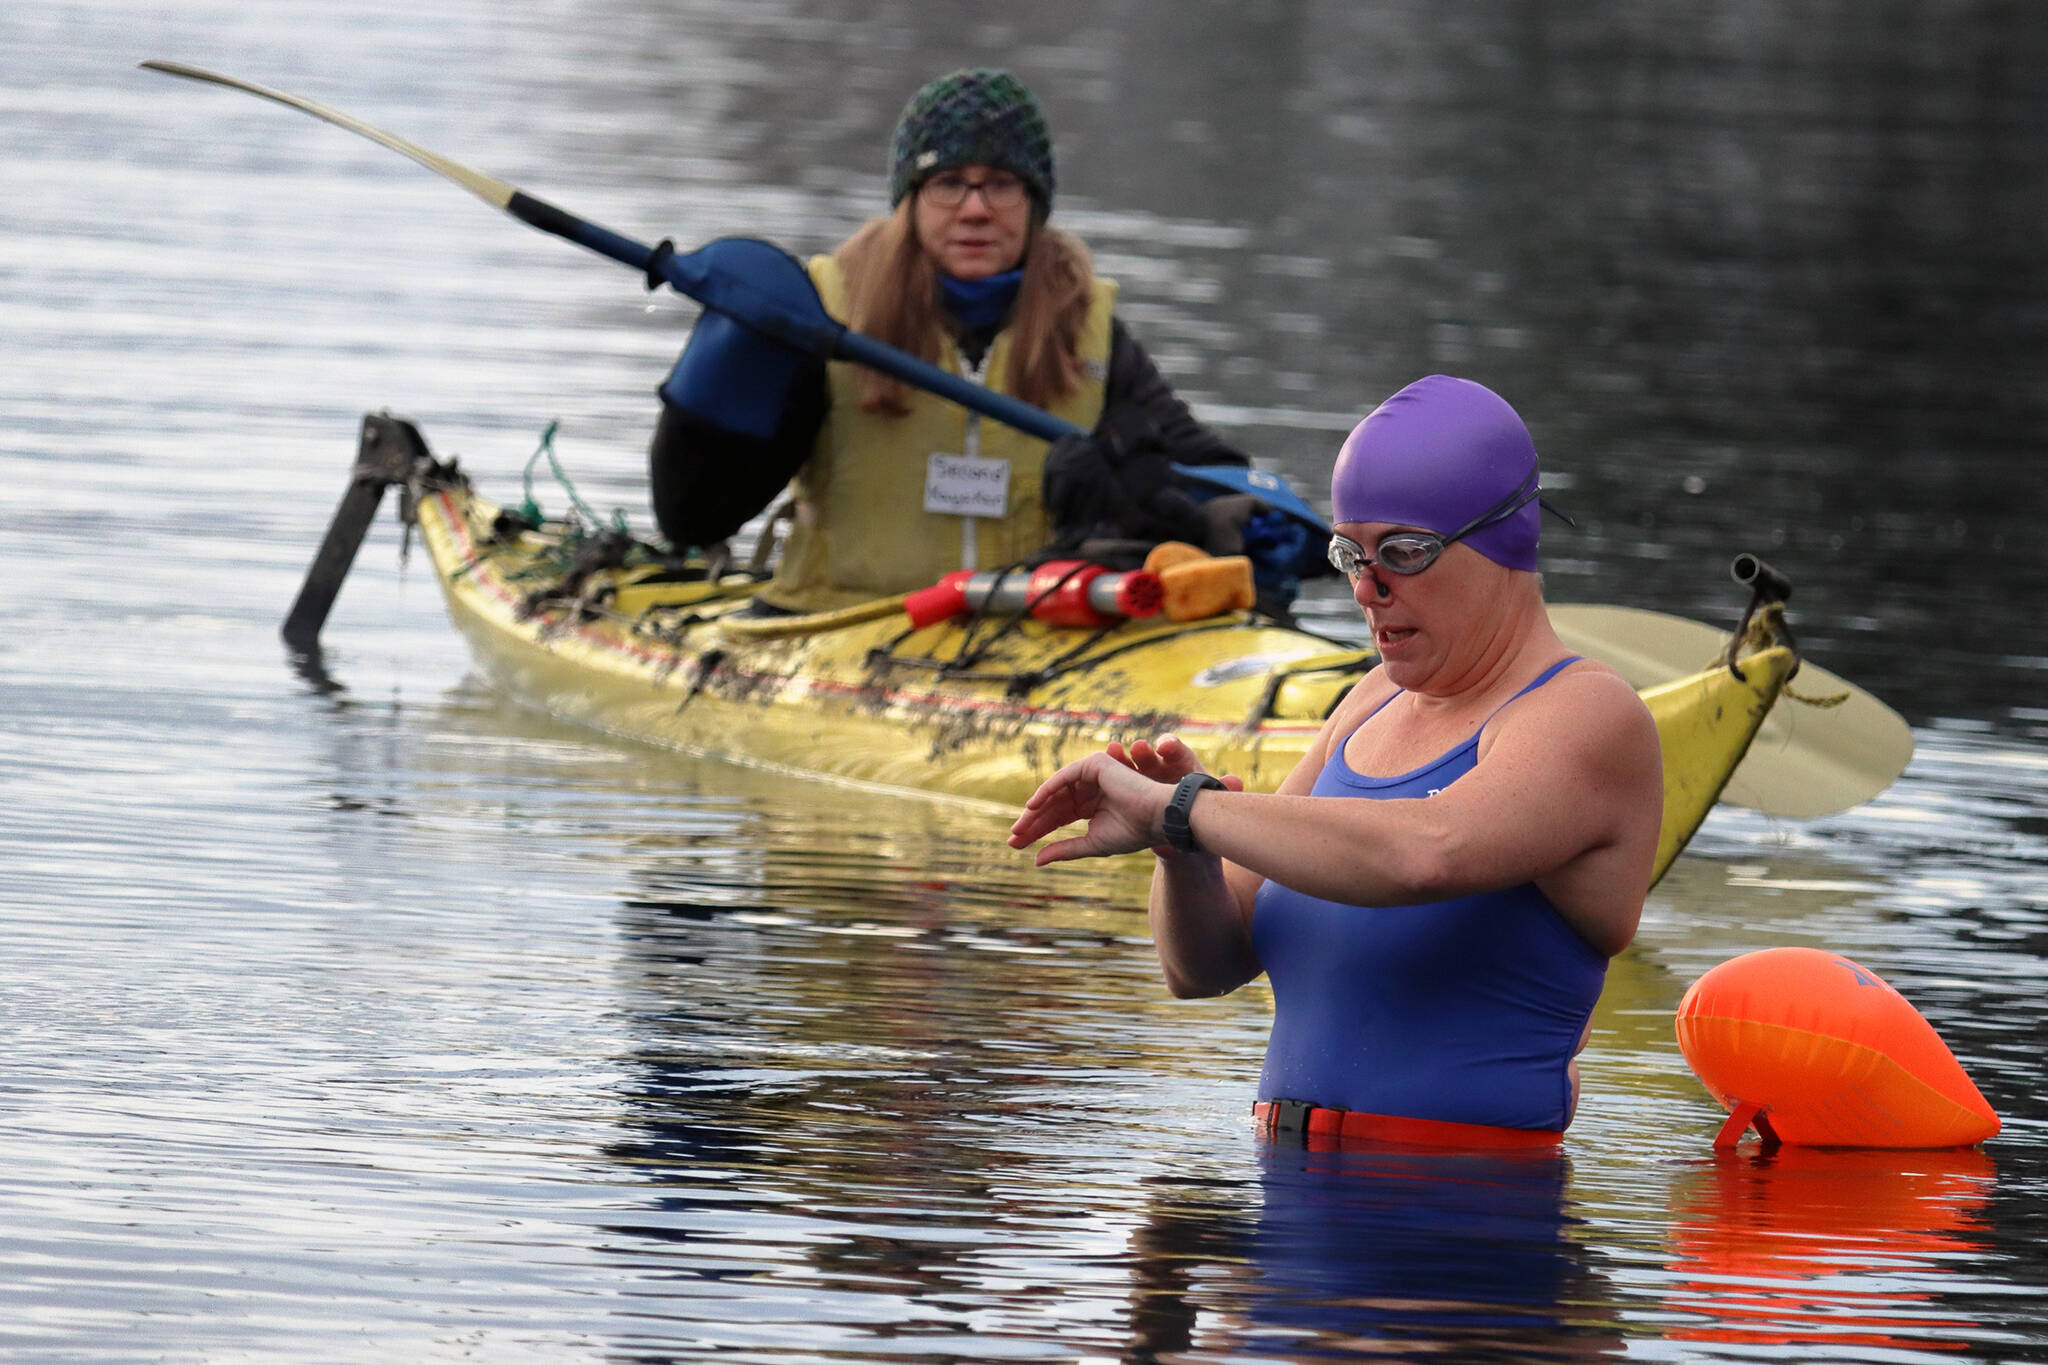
1437 455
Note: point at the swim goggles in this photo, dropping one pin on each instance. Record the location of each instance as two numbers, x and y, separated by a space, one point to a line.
1410 552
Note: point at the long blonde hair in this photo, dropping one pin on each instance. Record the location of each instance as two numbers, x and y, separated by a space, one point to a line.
893 296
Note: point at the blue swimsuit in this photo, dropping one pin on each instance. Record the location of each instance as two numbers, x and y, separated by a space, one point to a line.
1466 1010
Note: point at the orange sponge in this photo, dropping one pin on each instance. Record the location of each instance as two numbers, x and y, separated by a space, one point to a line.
1207 587
1168 553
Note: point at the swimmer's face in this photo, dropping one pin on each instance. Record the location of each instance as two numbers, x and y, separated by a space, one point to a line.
1423 622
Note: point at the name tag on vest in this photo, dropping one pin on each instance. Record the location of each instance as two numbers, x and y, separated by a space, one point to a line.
967 486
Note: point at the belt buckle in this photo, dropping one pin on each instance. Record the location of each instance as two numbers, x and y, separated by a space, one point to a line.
1289 1116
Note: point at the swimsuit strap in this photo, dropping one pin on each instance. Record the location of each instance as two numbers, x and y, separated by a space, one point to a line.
1541 678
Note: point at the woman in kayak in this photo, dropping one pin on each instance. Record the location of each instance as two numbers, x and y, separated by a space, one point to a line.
1436 888
967 273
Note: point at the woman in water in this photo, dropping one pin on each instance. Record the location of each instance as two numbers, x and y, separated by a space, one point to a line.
1435 890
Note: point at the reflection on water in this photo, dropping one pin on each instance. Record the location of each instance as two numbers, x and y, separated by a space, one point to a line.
1425 1253
1333 1255
358 1015
1821 1249
899 1124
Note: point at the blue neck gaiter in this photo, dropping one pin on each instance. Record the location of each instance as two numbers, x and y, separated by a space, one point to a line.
976 304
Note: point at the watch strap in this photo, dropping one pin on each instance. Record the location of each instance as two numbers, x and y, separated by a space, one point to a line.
1174 824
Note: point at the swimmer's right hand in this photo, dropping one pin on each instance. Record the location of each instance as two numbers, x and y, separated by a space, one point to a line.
1122 810
1166 759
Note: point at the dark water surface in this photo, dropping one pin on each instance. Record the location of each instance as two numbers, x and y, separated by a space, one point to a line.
372 1018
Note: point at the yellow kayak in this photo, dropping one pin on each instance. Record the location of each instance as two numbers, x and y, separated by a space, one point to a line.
664 651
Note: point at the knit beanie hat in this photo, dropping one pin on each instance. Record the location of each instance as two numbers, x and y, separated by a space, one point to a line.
980 117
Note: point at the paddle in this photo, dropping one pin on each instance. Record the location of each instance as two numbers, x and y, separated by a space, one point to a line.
753 282
1807 760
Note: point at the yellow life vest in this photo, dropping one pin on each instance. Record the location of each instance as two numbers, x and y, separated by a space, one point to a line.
861 529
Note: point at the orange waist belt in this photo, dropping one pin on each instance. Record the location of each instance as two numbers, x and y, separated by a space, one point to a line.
1317 1125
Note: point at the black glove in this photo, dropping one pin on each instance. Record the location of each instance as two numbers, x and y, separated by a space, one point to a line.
1117 483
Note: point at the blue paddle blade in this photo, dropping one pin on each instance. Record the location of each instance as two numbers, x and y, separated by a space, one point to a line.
760 285
1267 487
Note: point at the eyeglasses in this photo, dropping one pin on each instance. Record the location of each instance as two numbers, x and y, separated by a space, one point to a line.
999 190
1410 552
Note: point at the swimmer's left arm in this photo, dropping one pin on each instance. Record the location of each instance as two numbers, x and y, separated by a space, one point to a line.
1568 791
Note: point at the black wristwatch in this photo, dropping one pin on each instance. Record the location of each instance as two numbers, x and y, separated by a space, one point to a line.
1175 821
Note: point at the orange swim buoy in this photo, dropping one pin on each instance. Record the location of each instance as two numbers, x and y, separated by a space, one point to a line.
1814 1050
